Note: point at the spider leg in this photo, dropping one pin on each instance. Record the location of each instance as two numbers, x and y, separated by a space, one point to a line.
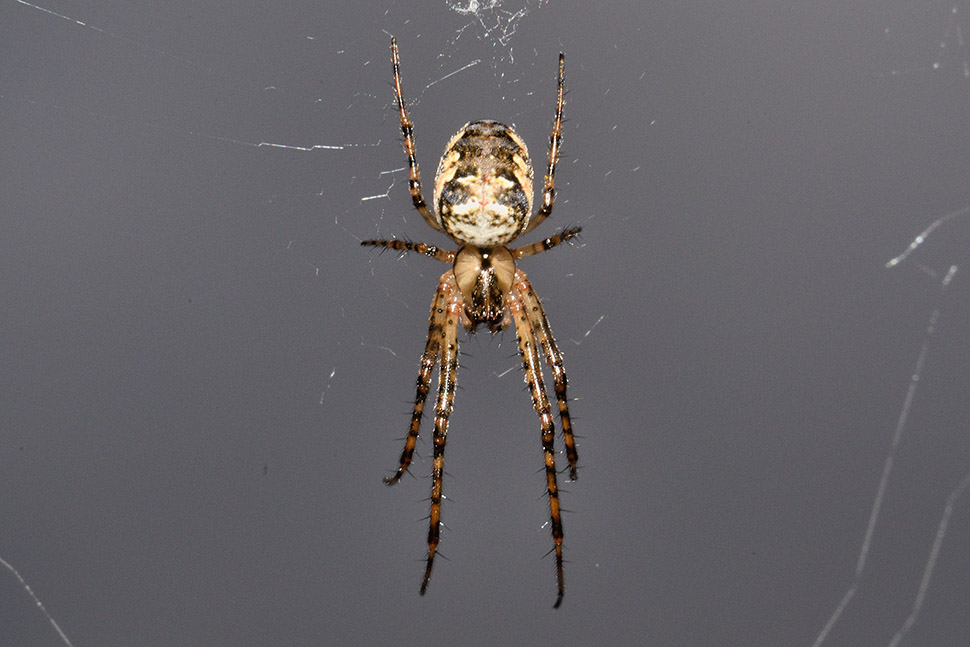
414 183
537 317
447 379
428 361
528 348
555 141
432 251
545 244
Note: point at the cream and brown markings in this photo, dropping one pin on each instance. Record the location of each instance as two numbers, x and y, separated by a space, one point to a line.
483 200
483 188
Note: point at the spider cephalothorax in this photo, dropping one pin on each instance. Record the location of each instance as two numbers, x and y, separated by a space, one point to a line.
483 201
484 276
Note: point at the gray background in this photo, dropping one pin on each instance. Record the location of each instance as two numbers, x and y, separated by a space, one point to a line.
203 377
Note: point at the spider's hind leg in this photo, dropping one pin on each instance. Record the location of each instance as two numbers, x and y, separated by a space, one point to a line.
407 129
555 142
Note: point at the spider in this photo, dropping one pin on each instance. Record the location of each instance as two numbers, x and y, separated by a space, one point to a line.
483 201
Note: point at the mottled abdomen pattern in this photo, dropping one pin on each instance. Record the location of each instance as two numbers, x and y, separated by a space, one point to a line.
483 188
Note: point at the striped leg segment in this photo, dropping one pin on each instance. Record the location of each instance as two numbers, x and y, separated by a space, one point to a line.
529 349
428 361
407 128
545 244
404 246
543 333
447 376
555 141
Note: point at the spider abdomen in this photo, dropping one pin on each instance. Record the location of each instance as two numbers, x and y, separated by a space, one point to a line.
483 188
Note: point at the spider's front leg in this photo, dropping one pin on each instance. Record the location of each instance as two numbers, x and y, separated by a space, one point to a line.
428 361
529 349
442 346
447 381
543 333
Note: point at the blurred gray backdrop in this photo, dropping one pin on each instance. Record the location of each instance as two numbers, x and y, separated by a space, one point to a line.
203 376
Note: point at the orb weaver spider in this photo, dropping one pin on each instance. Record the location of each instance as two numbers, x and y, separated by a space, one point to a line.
483 201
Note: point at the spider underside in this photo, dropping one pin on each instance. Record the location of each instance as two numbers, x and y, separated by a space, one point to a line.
483 201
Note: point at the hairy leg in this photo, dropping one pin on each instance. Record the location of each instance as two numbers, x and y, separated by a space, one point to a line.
543 333
545 244
414 183
447 380
555 141
529 350
404 246
428 361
